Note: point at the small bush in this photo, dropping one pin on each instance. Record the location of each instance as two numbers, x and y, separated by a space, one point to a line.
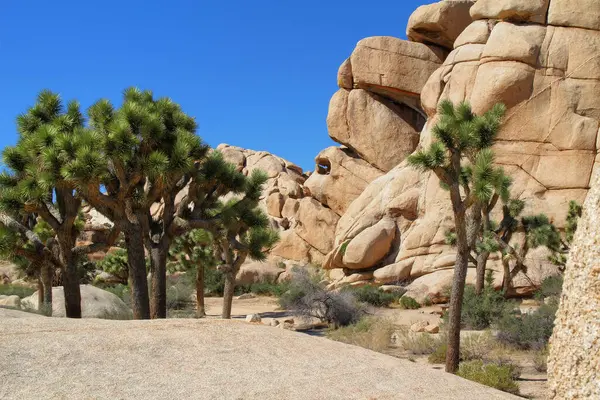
16 290
408 303
307 298
439 354
373 295
116 264
501 377
476 346
550 287
481 311
214 282
540 360
418 343
472 347
371 333
121 291
528 331
264 289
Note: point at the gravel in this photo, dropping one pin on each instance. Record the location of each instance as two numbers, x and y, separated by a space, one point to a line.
56 358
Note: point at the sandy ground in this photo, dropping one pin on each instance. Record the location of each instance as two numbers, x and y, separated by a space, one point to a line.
55 358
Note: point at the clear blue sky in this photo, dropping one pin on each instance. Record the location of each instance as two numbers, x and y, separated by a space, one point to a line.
257 74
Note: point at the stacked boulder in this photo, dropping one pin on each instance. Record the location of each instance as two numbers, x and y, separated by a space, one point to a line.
542 60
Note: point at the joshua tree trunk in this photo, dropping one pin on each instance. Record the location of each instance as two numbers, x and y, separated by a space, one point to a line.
482 258
70 277
158 300
200 308
458 283
45 302
40 293
506 282
134 241
228 294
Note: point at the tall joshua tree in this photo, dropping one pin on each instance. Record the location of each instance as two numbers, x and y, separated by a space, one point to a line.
129 163
244 232
33 184
461 159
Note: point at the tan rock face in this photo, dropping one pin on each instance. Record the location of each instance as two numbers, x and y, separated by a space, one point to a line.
380 131
257 272
575 344
439 23
340 177
370 246
512 10
548 77
394 67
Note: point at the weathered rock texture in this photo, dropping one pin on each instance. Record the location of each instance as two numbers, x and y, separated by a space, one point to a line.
574 361
547 74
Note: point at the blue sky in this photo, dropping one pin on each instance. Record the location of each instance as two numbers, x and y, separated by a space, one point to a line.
257 74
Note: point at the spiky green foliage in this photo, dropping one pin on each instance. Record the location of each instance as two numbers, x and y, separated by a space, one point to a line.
115 263
32 190
573 215
462 135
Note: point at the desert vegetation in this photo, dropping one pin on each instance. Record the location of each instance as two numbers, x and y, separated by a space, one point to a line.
129 164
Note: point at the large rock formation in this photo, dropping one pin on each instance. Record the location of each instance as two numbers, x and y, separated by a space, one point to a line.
575 344
364 214
547 74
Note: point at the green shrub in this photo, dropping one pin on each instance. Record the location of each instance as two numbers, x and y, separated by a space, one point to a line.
550 287
214 282
121 291
439 353
501 377
418 343
528 331
116 264
409 303
16 290
264 289
481 311
472 347
371 333
373 295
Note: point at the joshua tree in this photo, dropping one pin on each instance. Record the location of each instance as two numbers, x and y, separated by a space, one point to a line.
132 158
33 186
244 232
31 246
461 159
194 251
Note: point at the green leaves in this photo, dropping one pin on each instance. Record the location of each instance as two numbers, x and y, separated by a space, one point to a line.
259 239
489 180
428 160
